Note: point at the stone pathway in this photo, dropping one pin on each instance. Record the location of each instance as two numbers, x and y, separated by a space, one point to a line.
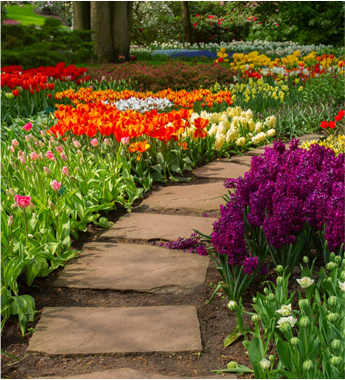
124 260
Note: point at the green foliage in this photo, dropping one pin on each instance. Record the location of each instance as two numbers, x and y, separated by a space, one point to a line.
32 46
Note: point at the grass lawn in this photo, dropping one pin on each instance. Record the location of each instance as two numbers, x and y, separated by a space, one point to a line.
25 14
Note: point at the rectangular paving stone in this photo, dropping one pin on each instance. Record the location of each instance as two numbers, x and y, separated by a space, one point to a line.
131 374
137 267
189 198
221 169
158 226
96 330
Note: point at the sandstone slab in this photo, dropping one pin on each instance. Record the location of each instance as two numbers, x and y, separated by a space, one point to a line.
309 137
158 226
137 267
129 373
243 160
95 330
221 169
189 198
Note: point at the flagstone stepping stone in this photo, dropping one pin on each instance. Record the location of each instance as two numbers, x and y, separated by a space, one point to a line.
310 137
158 226
221 169
136 267
189 198
243 160
95 330
129 373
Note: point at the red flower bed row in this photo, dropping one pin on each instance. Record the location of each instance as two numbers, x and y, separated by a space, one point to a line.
174 75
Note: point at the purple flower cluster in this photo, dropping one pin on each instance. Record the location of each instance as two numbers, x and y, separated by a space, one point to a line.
284 189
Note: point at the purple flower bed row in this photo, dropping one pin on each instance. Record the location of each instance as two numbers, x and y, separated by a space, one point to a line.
294 196
174 75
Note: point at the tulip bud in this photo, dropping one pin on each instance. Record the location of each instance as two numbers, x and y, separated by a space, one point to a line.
332 256
331 265
265 364
294 341
232 305
10 224
47 170
343 263
271 358
303 303
11 191
342 275
336 360
51 205
336 344
31 206
308 365
265 290
232 365
305 259
254 299
332 317
337 259
332 301
28 169
271 297
280 281
81 161
285 327
255 318
304 322
280 268
30 236
79 153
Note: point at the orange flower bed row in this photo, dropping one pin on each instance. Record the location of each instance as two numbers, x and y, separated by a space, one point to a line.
180 98
88 119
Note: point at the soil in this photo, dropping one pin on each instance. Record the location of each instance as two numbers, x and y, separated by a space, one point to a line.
216 322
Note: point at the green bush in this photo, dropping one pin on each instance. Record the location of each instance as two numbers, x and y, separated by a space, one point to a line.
31 46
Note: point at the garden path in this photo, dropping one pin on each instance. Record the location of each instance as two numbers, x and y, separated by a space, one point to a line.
123 259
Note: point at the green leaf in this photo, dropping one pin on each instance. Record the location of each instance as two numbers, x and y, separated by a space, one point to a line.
232 337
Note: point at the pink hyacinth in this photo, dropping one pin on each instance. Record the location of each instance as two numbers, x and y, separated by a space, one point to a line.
27 127
22 202
56 186
94 142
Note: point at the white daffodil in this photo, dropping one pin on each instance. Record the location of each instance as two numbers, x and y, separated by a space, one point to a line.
305 282
285 310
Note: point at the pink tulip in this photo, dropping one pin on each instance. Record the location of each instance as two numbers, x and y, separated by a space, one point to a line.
41 143
77 144
47 170
33 156
27 127
107 142
12 149
50 155
22 159
27 138
15 142
63 156
79 153
59 149
31 206
94 142
10 221
65 171
40 156
22 202
56 186
125 140
43 133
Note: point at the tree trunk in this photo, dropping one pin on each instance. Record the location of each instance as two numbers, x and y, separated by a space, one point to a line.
122 16
101 24
186 36
0 13
81 15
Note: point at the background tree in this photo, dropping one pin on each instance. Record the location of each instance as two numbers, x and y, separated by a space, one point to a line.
186 26
81 15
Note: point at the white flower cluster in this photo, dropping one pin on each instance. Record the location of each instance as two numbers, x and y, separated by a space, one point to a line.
237 126
141 105
269 47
